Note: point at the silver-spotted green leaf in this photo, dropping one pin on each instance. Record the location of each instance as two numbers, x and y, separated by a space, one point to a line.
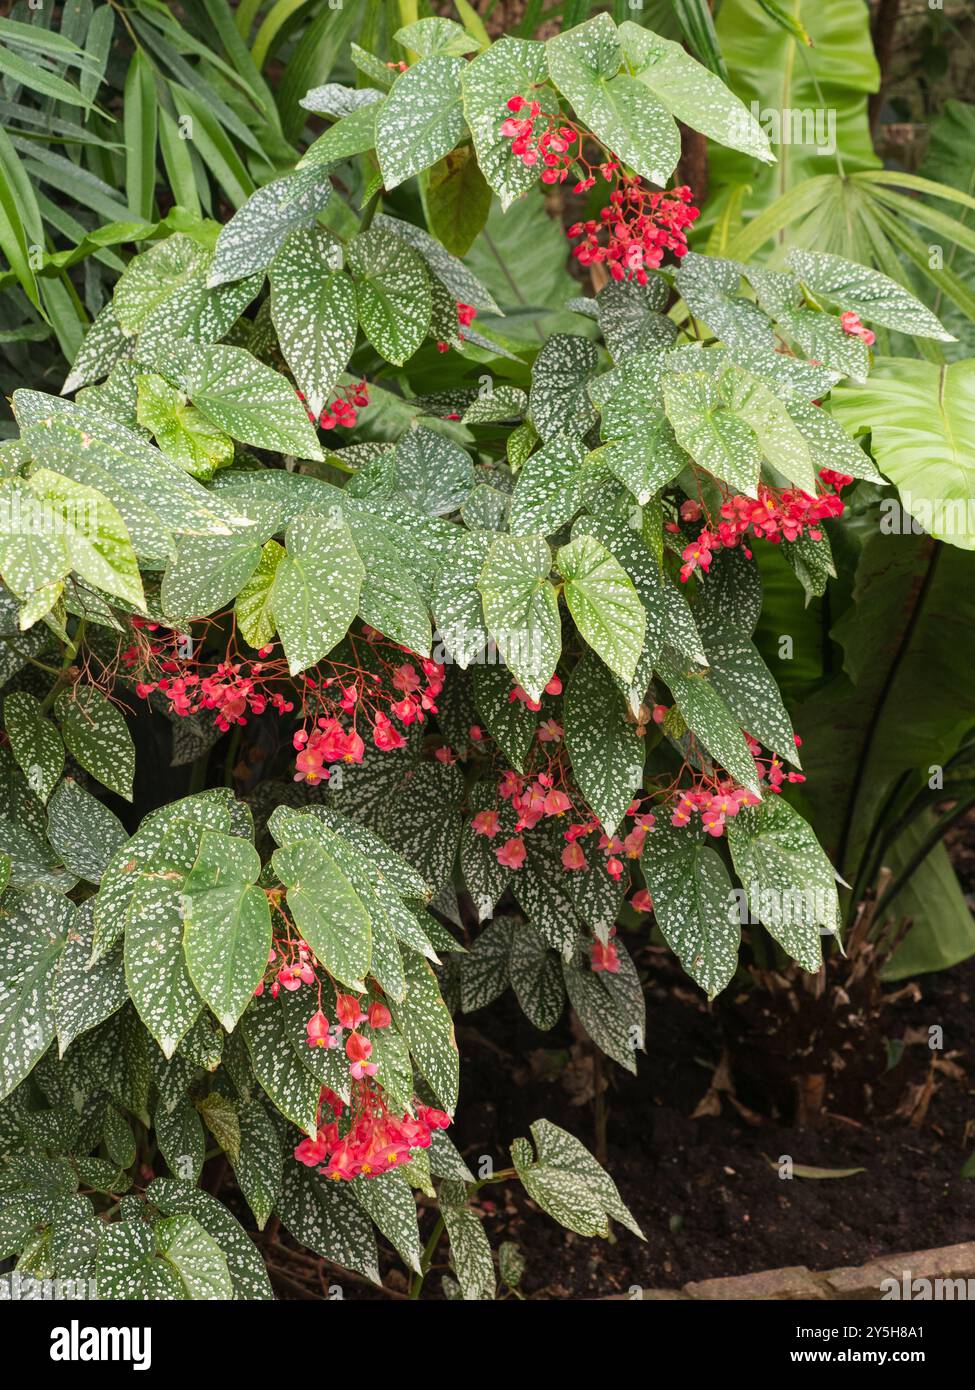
604 749
34 741
252 609
424 1020
278 1063
693 905
521 610
227 924
421 120
325 1217
559 399
428 36
85 993
509 67
546 494
456 601
470 1251
779 438
640 447
250 401
175 1259
708 716
421 820
250 240
622 112
604 604
630 317
876 297
34 926
352 134
94 535
484 877
259 1165
610 1027
155 967
789 882
484 974
313 308
335 100
691 92
393 293
181 1140
462 283
96 735
536 977
388 1199
316 588
103 345
391 600
499 402
207 573
741 677
510 722
244 1263
434 472
327 910
568 1183
831 446
712 433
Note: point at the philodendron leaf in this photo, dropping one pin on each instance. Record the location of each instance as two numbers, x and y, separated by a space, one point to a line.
35 742
421 119
327 910
227 924
521 610
623 113
96 735
694 905
316 587
604 604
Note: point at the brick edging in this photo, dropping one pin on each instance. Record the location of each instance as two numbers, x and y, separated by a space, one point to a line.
861 1282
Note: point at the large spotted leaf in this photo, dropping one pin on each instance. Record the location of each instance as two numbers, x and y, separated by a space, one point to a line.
83 830
433 471
536 977
521 610
790 884
604 604
421 119
96 735
251 402
714 435
470 1248
94 535
327 910
227 924
326 1218
388 1199
155 967
393 294
567 1182
250 240
741 677
34 741
252 608
166 291
604 749
313 308
627 117
278 1063
34 925
424 1020
183 433
875 297
174 1259
639 448
207 574
509 67
85 992
559 400
707 714
244 1263
316 588
693 904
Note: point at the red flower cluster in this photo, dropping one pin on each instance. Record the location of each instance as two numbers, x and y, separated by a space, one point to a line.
635 230
369 1140
603 955
552 147
344 410
851 324
466 314
774 516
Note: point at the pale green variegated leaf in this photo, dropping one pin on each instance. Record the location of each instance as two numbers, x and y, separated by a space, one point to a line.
693 904
96 735
707 714
227 924
93 533
568 1183
393 293
692 93
391 600
462 283
251 402
250 240
103 345
34 741
831 446
497 403
604 604
325 1217
605 752
434 472
83 831
316 588
521 610
547 491
622 112
510 66
421 119
388 1199
335 100
789 882
279 1065
428 36
559 400
640 448
85 993
165 290
779 438
876 297
714 435
252 609
208 573
34 925
327 910
183 433
313 308
456 600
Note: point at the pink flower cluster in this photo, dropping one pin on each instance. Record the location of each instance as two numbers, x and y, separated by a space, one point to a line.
369 1140
851 324
344 409
635 230
232 692
349 1015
